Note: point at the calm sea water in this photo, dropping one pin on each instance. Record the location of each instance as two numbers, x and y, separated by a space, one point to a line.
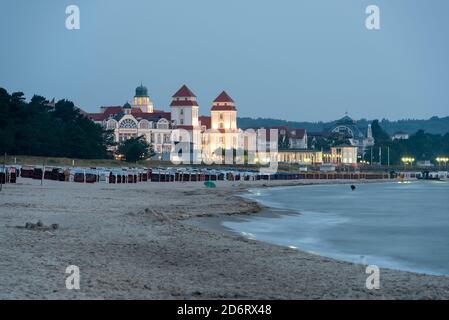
396 225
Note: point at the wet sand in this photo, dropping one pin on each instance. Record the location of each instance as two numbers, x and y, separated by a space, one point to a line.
145 241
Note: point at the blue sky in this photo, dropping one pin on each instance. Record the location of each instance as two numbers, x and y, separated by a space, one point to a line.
302 60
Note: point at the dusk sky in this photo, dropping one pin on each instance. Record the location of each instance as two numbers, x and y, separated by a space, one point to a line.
306 60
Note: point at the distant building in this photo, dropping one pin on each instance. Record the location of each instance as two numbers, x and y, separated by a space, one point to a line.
425 164
338 156
349 130
289 139
303 157
292 138
342 155
400 136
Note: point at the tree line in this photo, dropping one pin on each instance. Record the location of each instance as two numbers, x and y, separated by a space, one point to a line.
434 125
37 128
421 146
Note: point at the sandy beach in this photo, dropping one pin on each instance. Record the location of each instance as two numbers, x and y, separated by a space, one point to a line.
138 241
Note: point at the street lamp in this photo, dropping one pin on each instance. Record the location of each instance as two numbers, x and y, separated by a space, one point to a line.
442 160
407 160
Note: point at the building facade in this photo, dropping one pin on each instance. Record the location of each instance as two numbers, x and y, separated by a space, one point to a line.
302 157
292 138
347 128
345 155
182 124
184 127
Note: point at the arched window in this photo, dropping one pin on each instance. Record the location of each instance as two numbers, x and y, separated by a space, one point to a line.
162 124
144 124
344 130
111 124
128 124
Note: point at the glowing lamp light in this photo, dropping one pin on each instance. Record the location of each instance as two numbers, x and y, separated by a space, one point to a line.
443 160
408 160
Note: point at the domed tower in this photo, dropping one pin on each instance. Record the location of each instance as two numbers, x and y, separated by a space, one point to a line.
142 100
127 108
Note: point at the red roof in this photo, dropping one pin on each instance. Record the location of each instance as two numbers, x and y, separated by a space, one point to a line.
108 111
112 111
96 116
223 103
149 115
184 103
205 121
224 97
298 133
159 113
184 92
223 108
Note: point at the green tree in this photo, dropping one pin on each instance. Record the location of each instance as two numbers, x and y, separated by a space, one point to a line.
37 129
135 149
380 135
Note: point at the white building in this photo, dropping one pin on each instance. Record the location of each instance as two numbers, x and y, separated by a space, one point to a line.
400 136
348 129
160 128
343 155
292 138
138 119
223 133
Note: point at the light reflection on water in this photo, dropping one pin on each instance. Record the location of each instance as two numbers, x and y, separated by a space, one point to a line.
402 226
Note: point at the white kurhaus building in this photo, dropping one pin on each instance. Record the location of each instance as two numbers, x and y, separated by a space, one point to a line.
157 126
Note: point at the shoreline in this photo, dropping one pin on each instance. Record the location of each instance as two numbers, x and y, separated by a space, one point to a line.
215 224
140 242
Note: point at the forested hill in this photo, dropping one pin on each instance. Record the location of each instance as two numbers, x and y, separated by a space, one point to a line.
433 125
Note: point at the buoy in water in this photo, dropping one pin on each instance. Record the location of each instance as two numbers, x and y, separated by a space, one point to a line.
352 187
